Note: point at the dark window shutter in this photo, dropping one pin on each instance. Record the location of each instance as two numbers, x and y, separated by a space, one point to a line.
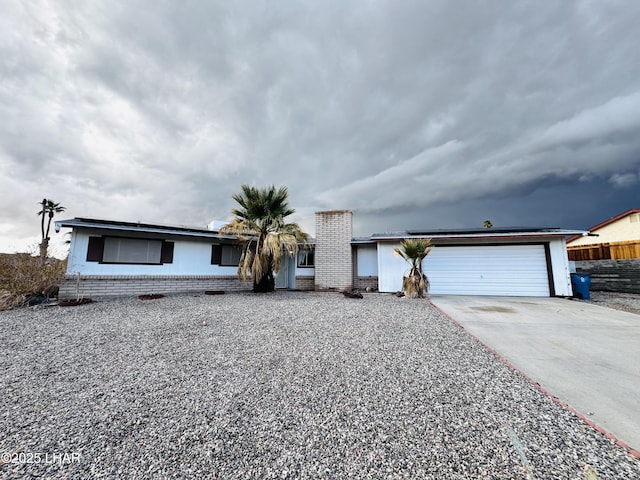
167 252
95 249
216 254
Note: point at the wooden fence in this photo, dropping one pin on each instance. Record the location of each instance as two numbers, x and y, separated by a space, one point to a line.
605 251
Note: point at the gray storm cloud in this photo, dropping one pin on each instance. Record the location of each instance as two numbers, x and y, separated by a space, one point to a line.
158 113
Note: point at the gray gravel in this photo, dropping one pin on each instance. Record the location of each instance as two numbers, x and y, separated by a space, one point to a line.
286 385
627 302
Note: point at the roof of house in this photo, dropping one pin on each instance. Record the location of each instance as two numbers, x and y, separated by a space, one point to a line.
360 240
494 232
139 227
183 230
608 222
163 229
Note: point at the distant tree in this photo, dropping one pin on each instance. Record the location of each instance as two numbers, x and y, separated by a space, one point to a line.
487 224
415 283
49 209
260 223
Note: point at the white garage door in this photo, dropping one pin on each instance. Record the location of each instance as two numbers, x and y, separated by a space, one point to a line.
518 270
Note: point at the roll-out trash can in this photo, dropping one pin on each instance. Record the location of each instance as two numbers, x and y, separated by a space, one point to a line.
580 283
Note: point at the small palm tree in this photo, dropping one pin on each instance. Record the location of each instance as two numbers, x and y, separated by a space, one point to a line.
49 209
261 227
415 283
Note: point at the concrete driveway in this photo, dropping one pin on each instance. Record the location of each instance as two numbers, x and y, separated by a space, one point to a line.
586 355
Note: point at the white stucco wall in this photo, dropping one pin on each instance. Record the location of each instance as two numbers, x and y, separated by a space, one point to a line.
622 230
391 267
560 267
190 257
367 260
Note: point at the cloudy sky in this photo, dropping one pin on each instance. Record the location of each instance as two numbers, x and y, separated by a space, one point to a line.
413 114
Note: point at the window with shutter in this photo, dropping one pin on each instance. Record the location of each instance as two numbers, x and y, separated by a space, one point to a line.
225 255
167 252
95 249
132 251
216 254
136 251
231 255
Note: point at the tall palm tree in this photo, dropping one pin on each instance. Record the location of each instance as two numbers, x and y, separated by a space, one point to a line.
415 283
49 209
261 226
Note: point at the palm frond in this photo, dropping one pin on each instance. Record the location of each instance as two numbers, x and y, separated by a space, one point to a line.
295 230
277 243
245 263
259 267
400 252
243 229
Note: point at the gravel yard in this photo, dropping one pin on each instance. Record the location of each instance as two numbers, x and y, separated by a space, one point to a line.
285 385
627 302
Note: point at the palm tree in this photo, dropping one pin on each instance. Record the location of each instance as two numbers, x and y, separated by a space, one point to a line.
49 209
487 224
261 227
414 251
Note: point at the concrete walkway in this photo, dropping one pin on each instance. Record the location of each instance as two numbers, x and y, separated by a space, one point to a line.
586 355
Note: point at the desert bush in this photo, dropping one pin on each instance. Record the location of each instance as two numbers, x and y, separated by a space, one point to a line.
23 275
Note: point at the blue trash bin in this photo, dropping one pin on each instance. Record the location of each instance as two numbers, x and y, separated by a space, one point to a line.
580 283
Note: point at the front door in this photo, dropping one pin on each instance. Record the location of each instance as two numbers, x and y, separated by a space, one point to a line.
282 279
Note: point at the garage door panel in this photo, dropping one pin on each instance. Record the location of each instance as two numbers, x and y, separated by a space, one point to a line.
518 270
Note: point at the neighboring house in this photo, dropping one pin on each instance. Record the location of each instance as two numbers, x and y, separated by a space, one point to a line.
615 238
117 258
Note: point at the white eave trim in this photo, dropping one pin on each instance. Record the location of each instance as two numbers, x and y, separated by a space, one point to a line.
560 233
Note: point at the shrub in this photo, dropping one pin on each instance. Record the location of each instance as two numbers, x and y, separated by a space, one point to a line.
23 275
414 251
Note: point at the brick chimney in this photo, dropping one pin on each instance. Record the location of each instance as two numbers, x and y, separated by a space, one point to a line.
333 255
